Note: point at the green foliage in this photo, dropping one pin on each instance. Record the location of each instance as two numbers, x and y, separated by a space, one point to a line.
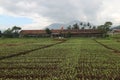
81 23
0 33
88 24
8 33
94 27
84 25
16 29
76 59
105 28
76 26
12 33
83 28
48 31
69 27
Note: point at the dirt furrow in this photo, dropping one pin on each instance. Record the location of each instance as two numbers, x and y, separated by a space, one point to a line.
114 50
28 51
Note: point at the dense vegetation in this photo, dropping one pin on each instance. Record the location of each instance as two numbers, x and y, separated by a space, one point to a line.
11 32
0 33
75 59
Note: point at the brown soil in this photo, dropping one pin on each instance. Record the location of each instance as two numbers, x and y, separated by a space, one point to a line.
98 77
31 68
18 44
33 76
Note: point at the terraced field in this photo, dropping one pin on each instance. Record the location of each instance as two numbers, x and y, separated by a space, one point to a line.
75 59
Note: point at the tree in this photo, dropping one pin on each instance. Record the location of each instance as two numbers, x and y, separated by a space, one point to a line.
94 27
84 25
48 31
76 26
105 28
90 27
15 31
8 33
83 28
88 24
81 23
0 33
69 27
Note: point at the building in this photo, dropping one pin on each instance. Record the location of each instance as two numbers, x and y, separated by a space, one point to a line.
116 31
62 33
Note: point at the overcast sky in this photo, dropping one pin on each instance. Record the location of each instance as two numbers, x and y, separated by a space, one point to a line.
36 14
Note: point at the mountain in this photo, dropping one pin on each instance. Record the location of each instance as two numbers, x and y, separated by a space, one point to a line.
55 26
117 27
59 25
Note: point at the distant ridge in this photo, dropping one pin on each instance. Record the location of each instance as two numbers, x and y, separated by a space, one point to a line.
55 26
117 27
71 23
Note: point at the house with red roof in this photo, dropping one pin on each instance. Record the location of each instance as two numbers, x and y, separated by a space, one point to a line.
116 31
62 33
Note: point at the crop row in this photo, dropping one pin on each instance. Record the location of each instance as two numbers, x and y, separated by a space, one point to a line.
97 63
12 46
76 59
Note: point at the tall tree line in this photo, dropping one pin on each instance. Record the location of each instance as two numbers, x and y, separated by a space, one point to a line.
81 25
11 32
0 33
105 28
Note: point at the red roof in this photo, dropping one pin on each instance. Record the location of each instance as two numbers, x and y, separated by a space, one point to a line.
35 32
25 32
117 30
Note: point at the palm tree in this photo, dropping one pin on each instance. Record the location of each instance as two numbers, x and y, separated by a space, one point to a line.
76 26
83 28
81 24
16 29
69 27
94 27
84 25
88 24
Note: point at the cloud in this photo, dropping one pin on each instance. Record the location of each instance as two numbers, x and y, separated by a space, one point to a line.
110 11
44 12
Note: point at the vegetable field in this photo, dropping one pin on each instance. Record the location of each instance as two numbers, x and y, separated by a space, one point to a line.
74 59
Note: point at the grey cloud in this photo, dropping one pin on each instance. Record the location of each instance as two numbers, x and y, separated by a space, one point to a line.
60 10
56 10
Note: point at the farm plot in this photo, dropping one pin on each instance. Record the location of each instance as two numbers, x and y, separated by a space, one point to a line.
110 43
76 59
13 46
97 63
56 62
